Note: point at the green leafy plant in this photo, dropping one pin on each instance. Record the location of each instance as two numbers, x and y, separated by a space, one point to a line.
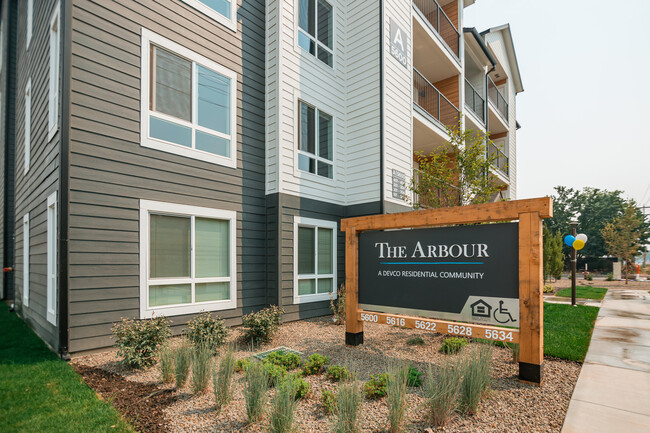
207 330
138 340
453 345
337 373
259 327
283 408
476 377
415 341
442 392
589 276
414 377
315 364
182 361
610 276
329 401
376 387
348 404
242 364
337 306
398 376
548 288
166 358
257 383
201 368
222 379
284 359
274 373
302 386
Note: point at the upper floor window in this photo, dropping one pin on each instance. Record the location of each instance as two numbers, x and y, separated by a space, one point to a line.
315 143
222 11
188 102
28 125
315 33
53 102
30 22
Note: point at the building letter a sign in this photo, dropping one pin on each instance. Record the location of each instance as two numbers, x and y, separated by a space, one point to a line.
398 43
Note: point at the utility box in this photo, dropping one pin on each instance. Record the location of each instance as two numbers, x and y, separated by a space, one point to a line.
616 270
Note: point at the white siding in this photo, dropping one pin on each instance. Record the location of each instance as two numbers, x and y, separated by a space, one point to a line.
272 89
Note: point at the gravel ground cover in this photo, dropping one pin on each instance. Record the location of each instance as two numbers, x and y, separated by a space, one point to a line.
510 407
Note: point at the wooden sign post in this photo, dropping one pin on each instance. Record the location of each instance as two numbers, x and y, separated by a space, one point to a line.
530 335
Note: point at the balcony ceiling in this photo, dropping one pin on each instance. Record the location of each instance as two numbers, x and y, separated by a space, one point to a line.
430 57
428 137
496 123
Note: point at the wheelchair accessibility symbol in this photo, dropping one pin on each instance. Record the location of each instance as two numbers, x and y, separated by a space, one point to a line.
502 315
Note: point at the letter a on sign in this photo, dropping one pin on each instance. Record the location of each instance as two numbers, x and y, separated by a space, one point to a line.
398 39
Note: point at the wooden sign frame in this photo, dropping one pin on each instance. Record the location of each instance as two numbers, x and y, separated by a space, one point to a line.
530 334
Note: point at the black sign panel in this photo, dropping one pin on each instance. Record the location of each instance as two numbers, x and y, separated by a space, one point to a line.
473 270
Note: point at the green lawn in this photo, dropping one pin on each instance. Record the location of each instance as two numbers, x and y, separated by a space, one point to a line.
567 330
586 292
41 393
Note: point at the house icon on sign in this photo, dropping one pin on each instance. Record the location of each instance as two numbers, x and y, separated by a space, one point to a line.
481 308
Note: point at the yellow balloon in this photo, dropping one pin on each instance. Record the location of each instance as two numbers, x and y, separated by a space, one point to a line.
578 244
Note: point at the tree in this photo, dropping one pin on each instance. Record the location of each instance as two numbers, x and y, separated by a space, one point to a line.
553 257
456 175
622 236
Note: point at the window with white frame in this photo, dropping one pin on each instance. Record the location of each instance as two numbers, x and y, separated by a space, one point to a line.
26 260
28 125
315 141
53 102
51 258
222 11
188 104
315 29
314 259
30 22
187 259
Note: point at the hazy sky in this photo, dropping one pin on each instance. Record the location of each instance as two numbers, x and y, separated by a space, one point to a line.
585 109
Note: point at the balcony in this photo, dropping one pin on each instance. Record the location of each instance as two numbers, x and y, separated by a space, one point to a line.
496 97
435 104
432 13
501 160
474 101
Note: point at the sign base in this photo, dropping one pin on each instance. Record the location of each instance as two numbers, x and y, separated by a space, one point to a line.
530 373
353 339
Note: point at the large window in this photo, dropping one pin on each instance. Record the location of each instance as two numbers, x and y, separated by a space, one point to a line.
222 11
315 141
26 260
28 126
30 23
53 103
314 259
315 29
187 259
51 258
188 102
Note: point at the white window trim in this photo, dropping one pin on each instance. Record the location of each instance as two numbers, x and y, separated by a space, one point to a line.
53 94
306 54
26 238
28 126
30 23
146 207
51 258
148 37
221 19
311 222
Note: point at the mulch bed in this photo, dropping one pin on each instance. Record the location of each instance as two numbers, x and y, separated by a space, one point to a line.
140 404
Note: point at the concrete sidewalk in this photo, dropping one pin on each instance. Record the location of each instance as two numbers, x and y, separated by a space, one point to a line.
613 391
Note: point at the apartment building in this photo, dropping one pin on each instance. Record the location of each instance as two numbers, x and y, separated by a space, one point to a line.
198 155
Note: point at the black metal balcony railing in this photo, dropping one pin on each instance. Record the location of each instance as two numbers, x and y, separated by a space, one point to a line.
500 158
440 22
474 101
494 95
428 98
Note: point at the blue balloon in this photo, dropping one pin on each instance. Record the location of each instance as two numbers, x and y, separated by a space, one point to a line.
569 240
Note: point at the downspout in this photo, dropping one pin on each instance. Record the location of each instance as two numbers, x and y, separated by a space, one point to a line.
381 108
9 235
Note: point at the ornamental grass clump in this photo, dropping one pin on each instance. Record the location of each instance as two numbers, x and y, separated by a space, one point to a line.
257 384
283 407
259 327
166 358
398 375
138 340
222 380
476 366
182 361
442 391
201 368
348 403
206 330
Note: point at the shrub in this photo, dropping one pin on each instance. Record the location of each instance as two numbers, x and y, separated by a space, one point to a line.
182 360
415 341
548 288
398 376
274 373
259 327
414 377
476 377
348 403
610 276
201 368
242 364
589 276
337 373
207 330
514 350
329 402
302 386
284 359
442 391
376 387
315 364
453 345
166 357
338 306
282 416
223 378
138 340
257 383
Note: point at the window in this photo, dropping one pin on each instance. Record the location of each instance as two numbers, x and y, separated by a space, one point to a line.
26 260
30 22
188 103
222 11
28 124
315 32
187 260
51 258
314 259
315 146
53 104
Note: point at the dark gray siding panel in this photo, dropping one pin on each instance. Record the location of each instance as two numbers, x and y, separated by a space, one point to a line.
42 179
110 172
